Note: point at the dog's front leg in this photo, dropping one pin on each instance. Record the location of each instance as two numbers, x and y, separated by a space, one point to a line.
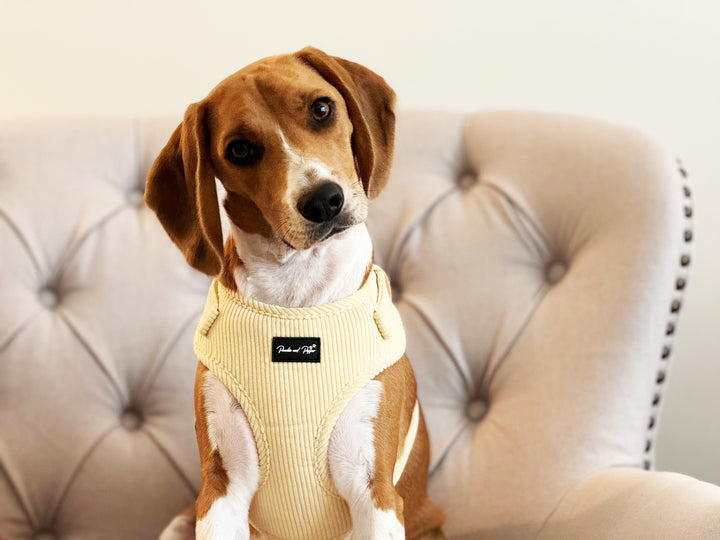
360 474
229 460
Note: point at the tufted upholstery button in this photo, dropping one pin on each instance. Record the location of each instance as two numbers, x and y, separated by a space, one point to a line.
136 197
131 420
467 179
48 297
43 535
476 410
555 272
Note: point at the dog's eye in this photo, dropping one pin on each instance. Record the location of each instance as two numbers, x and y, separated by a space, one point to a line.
322 111
242 152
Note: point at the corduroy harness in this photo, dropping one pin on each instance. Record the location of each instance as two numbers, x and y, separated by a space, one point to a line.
293 371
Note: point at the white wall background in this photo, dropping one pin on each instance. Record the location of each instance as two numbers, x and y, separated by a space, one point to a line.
651 63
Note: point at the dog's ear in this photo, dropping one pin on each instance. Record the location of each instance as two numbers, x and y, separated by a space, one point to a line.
181 191
370 103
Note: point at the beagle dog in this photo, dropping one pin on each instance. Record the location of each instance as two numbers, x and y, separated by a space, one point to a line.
301 143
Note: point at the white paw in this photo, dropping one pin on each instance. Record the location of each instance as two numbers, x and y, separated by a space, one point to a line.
180 528
222 523
382 525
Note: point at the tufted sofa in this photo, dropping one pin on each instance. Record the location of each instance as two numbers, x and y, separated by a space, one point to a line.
538 262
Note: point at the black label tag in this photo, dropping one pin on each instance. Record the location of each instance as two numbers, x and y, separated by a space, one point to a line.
296 349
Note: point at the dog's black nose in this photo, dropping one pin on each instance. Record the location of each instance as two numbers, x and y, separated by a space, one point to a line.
321 204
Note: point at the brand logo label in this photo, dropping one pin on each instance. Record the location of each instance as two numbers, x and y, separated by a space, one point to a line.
296 349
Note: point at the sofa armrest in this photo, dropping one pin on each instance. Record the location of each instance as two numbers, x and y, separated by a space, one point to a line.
630 503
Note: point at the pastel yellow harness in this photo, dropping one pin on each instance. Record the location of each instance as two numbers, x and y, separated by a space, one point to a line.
293 370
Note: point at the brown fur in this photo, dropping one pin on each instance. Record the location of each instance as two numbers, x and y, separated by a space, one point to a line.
409 499
231 260
254 104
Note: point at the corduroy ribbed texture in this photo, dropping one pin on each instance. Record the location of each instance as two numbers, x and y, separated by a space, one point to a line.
292 407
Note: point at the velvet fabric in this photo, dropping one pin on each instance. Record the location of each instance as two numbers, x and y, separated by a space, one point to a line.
537 261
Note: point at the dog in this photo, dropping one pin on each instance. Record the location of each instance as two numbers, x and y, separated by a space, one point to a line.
301 143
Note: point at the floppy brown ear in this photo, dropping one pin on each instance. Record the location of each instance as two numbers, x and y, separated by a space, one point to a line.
181 190
370 103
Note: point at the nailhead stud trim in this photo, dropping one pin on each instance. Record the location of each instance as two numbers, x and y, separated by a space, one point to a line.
675 306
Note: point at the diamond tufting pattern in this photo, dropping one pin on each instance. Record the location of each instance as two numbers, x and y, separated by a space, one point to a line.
537 261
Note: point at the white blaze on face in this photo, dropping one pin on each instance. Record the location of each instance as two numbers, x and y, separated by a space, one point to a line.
303 173
306 173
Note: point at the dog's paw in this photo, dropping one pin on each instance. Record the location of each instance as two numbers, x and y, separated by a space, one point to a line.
180 528
382 525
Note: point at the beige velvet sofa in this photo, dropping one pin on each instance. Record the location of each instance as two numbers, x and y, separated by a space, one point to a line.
538 262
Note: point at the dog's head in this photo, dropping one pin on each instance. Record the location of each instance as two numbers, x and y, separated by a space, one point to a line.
300 142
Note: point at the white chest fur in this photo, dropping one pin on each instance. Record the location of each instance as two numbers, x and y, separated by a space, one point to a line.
275 274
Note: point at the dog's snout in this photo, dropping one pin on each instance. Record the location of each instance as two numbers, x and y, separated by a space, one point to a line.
322 203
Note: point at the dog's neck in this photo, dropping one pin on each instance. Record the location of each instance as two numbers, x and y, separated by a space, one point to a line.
273 273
